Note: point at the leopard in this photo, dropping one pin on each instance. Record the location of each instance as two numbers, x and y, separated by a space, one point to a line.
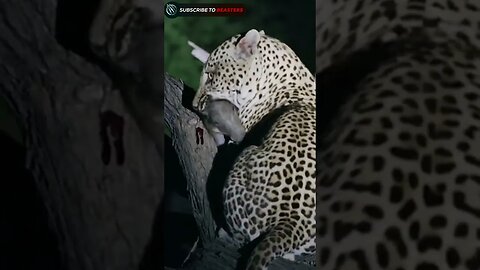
398 161
269 195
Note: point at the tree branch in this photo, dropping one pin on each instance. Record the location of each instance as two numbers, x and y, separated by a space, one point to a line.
196 159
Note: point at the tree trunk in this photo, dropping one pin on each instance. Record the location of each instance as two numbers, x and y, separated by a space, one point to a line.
99 177
196 158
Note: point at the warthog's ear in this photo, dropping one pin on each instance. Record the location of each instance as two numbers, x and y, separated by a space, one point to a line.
198 52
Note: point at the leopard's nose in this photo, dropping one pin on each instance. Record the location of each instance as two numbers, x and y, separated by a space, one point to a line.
195 103
197 100
97 38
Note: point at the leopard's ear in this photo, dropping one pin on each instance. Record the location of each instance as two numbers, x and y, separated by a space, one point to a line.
248 45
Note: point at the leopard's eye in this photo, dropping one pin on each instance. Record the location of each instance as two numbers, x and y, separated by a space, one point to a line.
209 77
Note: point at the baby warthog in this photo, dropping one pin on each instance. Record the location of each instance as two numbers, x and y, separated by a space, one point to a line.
221 118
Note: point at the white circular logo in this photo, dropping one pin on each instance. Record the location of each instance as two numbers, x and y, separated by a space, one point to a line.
171 9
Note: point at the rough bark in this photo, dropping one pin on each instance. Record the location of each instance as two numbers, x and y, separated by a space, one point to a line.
196 159
103 203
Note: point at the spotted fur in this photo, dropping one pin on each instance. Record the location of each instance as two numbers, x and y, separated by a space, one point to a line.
270 192
399 166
